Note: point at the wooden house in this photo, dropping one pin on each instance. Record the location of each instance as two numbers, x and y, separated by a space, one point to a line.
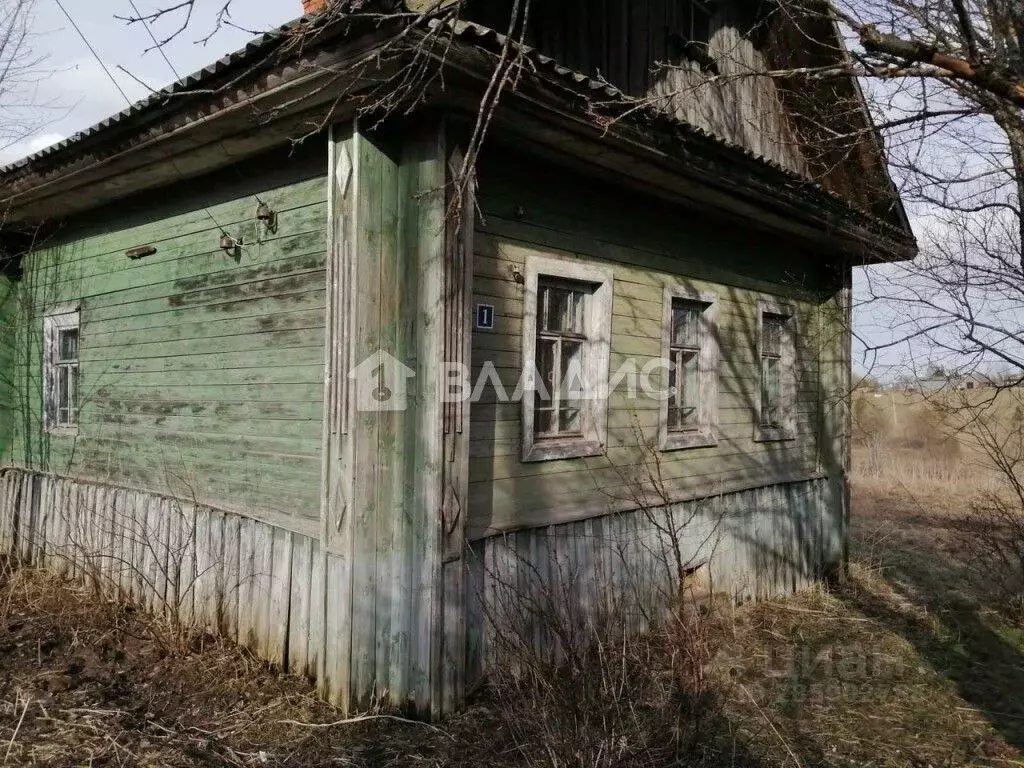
228 359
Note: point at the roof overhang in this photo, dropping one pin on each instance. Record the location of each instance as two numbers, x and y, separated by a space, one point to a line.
261 105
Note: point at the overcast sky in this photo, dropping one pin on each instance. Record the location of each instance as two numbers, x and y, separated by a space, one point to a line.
74 92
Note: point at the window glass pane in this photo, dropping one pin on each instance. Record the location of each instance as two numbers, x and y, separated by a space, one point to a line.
771 343
572 369
73 395
684 380
569 419
686 324
546 364
543 421
565 310
690 380
63 399
695 21
68 344
769 391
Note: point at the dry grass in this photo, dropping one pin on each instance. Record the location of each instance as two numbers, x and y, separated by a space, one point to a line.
894 668
87 683
906 663
841 687
915 443
959 454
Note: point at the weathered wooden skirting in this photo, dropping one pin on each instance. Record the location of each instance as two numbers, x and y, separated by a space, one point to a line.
535 586
247 580
275 591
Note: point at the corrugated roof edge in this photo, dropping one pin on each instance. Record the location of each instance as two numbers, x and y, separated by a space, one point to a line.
582 82
464 30
254 46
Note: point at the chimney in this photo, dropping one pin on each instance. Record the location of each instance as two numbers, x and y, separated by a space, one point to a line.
313 6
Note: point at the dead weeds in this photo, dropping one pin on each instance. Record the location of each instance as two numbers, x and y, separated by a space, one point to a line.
90 683
902 665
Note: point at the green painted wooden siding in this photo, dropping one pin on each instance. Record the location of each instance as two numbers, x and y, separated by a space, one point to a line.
201 374
8 367
647 247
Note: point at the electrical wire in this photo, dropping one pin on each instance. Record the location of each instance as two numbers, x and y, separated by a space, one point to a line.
159 46
117 85
93 51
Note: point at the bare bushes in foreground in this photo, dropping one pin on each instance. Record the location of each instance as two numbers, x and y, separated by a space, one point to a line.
993 531
599 641
612 698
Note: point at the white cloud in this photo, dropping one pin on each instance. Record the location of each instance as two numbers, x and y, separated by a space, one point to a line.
29 146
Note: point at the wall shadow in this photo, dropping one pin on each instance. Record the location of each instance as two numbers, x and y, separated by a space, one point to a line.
935 606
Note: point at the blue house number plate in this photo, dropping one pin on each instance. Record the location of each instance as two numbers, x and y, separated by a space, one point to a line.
485 316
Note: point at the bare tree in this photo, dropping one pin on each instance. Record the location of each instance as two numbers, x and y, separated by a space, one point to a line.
21 70
946 82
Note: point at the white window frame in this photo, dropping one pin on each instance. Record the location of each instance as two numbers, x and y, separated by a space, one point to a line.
786 430
59 319
706 433
598 325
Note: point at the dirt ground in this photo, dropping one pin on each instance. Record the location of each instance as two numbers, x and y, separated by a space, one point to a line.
88 683
902 665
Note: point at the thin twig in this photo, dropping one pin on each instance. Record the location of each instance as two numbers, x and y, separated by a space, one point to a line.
770 724
363 719
17 728
86 711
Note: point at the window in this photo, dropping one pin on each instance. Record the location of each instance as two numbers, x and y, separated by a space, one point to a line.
60 374
566 335
690 348
696 21
561 338
690 34
776 417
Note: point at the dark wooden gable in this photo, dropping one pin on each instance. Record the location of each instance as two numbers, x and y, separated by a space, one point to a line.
695 59
665 50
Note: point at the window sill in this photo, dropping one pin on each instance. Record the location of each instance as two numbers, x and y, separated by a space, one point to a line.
554 450
71 431
680 441
773 434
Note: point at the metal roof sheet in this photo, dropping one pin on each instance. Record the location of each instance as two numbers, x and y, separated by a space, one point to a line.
465 31
184 85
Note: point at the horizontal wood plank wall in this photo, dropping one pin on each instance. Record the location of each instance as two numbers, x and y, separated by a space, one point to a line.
362 609
250 581
532 587
201 369
648 249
